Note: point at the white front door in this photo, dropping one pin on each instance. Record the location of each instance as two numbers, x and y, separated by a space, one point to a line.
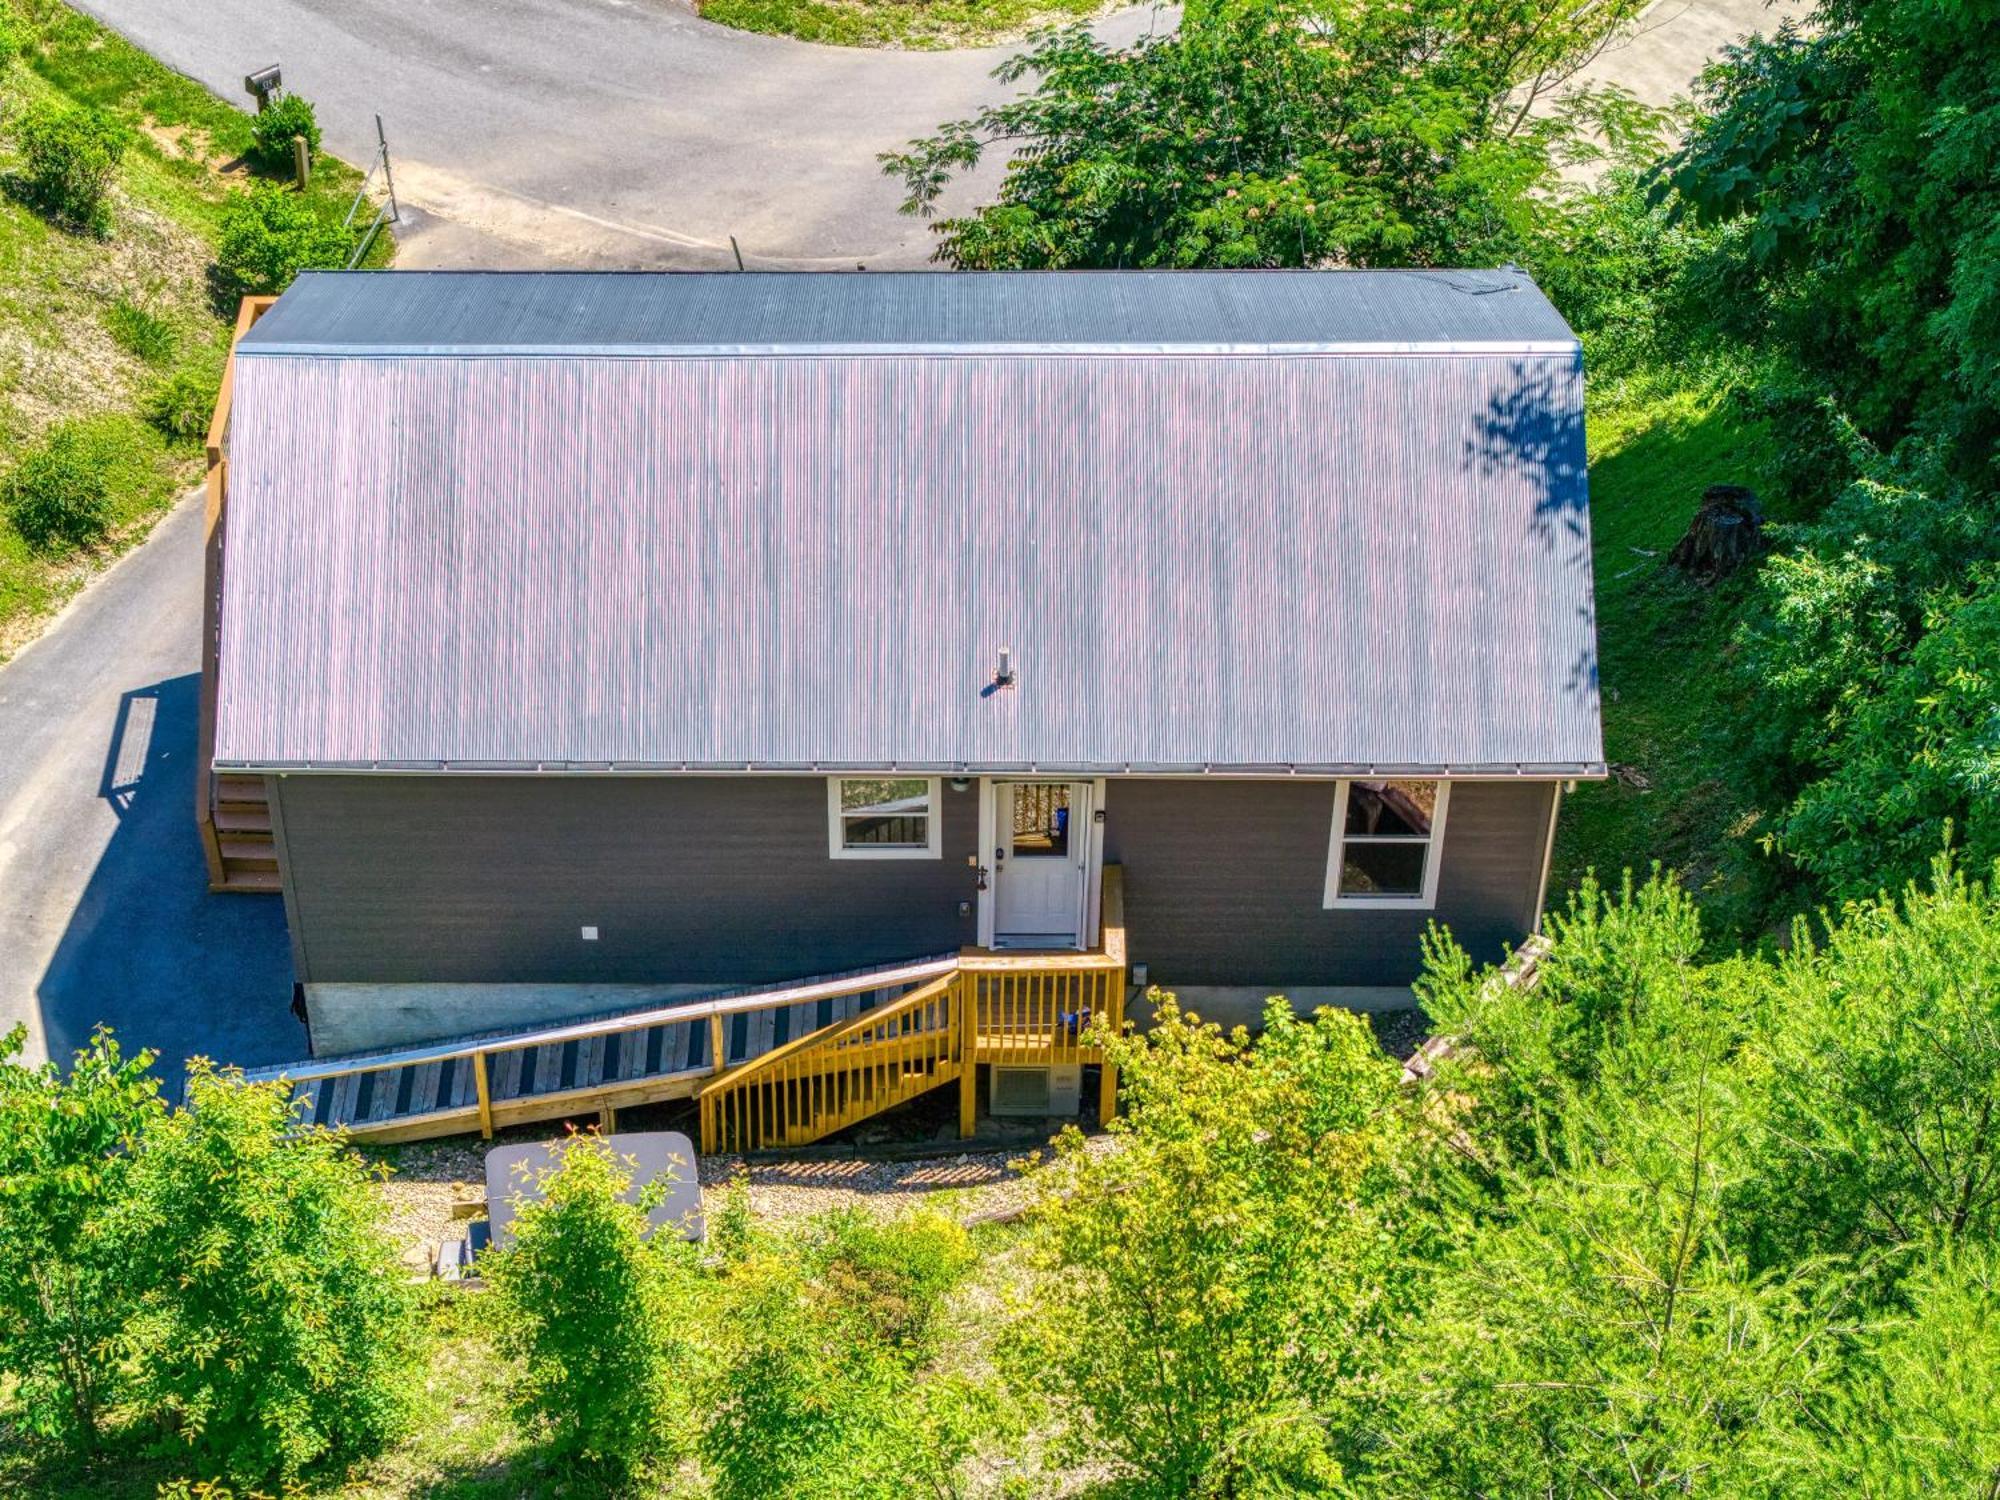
1041 838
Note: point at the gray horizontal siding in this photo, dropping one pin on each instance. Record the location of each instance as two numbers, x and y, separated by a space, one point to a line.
689 880
1224 882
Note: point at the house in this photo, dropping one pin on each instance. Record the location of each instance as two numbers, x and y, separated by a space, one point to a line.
601 640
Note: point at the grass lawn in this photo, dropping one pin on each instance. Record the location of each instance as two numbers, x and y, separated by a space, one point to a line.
1664 644
88 328
926 25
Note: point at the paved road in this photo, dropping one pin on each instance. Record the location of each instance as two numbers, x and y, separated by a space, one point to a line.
105 913
597 132
629 133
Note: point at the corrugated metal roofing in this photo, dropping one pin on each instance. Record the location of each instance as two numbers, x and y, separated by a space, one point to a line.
707 561
456 312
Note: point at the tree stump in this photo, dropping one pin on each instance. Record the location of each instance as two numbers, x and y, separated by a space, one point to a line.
1725 533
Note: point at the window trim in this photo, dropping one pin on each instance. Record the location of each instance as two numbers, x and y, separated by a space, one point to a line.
836 829
1330 897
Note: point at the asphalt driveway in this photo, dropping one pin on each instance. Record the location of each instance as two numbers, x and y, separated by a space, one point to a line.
597 133
105 912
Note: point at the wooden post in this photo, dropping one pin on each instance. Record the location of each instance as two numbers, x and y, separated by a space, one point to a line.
485 1099
301 162
607 1120
967 989
1107 1080
715 1047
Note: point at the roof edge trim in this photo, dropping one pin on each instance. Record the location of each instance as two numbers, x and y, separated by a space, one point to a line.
1470 349
1523 771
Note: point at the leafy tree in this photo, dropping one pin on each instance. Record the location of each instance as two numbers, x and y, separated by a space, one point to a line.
58 496
277 1328
596 1308
1920 1415
1871 648
269 235
272 129
66 1142
1857 148
1617 995
1605 1336
1213 1290
1279 133
70 155
1881 1071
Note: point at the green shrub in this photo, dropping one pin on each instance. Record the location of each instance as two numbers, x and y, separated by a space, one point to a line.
140 332
595 1310
183 404
269 235
824 1390
272 129
278 1331
69 156
65 1160
58 496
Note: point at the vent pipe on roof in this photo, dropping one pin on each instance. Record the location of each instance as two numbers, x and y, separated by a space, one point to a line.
1005 676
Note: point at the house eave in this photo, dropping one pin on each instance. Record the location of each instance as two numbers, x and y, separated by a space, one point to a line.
1328 771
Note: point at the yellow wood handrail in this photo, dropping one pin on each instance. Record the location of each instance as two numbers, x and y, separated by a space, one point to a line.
830 1035
837 1076
1027 1009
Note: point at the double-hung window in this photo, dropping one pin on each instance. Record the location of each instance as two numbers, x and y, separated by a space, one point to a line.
1385 843
882 817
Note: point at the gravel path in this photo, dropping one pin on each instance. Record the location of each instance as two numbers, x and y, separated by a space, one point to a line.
435 1181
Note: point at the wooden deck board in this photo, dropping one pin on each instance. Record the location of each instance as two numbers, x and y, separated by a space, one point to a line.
424 1091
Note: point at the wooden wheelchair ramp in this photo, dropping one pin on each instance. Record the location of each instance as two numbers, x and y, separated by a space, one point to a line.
769 1070
482 1083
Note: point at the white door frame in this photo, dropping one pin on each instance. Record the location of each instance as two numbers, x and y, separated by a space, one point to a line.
1092 830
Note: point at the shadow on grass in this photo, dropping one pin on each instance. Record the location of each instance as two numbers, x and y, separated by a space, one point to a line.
1674 712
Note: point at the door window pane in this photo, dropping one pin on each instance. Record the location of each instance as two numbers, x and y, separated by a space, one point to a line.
1041 820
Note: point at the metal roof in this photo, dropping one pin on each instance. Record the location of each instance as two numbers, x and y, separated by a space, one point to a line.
515 555
638 313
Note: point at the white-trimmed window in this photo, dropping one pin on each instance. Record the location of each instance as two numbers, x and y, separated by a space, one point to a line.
1386 838
882 817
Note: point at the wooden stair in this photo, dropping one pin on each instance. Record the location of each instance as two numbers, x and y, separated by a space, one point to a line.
240 812
841 1074
232 811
